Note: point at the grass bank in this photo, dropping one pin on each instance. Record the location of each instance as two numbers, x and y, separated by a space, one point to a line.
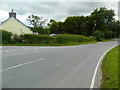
69 44
110 76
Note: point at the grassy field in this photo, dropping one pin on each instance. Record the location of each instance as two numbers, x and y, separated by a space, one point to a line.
110 75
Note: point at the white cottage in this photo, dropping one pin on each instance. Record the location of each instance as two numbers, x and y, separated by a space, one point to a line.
12 24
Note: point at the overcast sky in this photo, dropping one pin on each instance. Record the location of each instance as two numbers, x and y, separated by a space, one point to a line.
50 9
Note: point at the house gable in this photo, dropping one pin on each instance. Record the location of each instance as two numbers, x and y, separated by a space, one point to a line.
15 26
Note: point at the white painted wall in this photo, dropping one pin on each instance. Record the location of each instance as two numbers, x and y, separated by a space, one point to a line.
14 26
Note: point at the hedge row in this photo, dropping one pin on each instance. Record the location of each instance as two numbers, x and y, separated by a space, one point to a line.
57 39
5 37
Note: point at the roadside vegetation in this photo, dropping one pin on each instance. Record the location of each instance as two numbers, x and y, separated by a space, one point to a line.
110 66
46 40
100 25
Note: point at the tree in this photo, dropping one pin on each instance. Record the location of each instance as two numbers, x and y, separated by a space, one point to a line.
102 18
36 21
53 25
115 27
38 24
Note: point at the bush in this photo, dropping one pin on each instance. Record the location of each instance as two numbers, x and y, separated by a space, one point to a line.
37 39
16 39
6 36
98 35
108 34
67 38
57 39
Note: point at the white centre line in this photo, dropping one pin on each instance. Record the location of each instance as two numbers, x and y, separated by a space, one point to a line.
22 64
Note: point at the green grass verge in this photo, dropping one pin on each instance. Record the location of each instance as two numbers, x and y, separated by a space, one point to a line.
110 69
69 44
106 40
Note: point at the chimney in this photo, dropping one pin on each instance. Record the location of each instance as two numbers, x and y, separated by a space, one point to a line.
12 14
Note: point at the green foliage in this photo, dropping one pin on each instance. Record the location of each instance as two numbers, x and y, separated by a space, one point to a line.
108 34
67 38
16 39
38 24
6 36
98 35
58 39
115 27
36 21
100 19
53 26
41 30
37 39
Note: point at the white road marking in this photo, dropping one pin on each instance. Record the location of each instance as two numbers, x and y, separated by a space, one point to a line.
56 65
22 64
95 72
6 51
35 48
10 51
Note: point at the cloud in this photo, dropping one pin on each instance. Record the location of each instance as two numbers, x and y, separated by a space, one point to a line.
52 10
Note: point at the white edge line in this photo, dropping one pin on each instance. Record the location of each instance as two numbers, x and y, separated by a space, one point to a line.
95 72
21 64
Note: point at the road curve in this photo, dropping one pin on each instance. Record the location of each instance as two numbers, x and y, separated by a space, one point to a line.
51 67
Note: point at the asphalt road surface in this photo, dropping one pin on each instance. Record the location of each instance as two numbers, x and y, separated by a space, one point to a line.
51 67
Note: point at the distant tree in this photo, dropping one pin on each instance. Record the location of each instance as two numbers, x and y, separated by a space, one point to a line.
102 18
77 25
115 27
53 26
36 21
38 24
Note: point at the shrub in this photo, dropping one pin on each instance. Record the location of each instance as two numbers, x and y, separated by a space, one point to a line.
37 39
16 39
108 34
67 38
57 39
98 35
6 36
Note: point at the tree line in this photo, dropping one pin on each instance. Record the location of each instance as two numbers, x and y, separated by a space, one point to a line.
100 24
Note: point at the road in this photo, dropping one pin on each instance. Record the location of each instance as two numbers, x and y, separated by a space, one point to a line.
51 67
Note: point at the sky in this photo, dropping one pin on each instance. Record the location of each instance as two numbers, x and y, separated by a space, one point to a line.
53 9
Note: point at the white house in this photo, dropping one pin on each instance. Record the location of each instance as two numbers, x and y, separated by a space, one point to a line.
12 24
